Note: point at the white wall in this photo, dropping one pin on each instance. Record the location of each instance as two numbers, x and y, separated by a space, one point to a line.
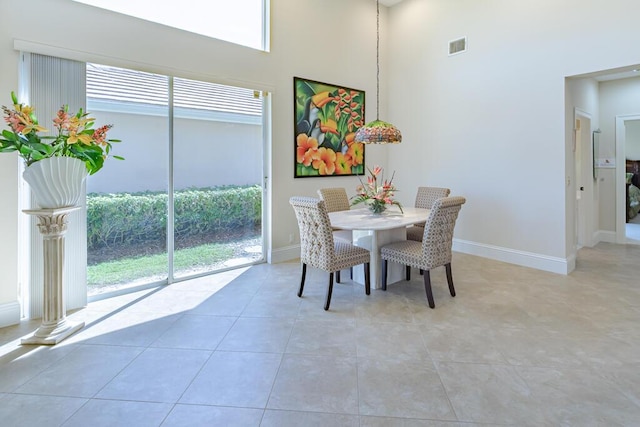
632 140
617 98
9 210
491 123
331 41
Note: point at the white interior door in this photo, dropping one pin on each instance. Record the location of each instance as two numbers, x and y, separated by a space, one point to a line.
583 180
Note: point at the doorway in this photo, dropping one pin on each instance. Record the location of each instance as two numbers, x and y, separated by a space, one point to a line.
627 146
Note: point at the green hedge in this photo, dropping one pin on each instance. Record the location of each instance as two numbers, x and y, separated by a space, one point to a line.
123 218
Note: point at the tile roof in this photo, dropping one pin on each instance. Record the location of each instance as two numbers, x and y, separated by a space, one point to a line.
131 86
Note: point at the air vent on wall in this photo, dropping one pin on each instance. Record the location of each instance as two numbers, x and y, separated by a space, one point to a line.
457 46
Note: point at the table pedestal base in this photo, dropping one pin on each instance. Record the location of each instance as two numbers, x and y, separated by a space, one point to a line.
373 240
54 333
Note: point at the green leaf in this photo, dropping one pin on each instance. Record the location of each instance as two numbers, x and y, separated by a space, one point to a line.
10 136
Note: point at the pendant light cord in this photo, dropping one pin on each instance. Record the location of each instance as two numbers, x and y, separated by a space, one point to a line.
377 59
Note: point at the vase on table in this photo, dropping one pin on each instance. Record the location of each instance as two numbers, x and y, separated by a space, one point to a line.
377 206
56 182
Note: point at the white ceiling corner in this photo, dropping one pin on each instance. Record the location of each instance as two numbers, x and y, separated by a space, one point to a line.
389 3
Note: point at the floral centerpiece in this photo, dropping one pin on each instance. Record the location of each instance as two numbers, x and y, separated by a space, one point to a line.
376 196
75 137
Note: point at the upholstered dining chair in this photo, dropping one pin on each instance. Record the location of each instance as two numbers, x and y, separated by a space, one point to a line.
319 249
336 199
434 250
425 197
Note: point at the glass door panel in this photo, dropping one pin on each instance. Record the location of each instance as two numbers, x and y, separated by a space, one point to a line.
217 172
127 200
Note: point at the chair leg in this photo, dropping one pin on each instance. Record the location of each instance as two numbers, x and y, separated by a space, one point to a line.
338 276
367 278
351 273
329 290
408 273
427 288
450 279
384 275
304 275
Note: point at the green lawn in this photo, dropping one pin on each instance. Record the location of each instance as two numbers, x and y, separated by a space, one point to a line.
130 269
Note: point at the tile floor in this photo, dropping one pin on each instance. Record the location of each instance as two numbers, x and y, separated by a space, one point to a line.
516 347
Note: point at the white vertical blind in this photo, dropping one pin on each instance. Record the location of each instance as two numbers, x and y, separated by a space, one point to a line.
53 83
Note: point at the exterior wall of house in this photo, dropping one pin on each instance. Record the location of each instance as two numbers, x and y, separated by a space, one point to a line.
145 144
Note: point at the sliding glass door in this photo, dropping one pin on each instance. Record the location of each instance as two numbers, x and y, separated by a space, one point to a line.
187 199
217 170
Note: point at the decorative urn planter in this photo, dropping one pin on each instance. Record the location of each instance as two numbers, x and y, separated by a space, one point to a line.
56 182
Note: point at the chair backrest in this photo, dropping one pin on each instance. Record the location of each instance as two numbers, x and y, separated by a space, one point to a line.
426 196
438 231
316 236
335 199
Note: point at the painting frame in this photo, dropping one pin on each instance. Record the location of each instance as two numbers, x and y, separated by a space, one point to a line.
325 119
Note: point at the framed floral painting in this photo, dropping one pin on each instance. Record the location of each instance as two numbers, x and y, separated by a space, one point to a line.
326 118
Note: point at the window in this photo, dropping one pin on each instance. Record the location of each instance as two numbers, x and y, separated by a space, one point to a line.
243 22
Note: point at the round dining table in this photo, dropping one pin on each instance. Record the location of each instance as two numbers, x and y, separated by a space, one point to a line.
372 231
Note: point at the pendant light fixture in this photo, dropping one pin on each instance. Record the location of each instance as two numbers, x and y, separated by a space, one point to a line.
377 131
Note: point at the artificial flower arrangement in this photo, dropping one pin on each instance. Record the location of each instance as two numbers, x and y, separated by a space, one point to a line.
75 137
376 197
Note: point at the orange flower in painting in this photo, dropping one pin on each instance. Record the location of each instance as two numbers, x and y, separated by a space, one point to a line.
325 161
343 164
307 149
356 152
348 138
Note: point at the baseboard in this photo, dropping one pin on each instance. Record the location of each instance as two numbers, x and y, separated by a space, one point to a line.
512 256
605 236
9 314
284 254
525 259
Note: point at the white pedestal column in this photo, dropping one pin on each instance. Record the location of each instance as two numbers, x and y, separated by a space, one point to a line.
373 240
55 326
